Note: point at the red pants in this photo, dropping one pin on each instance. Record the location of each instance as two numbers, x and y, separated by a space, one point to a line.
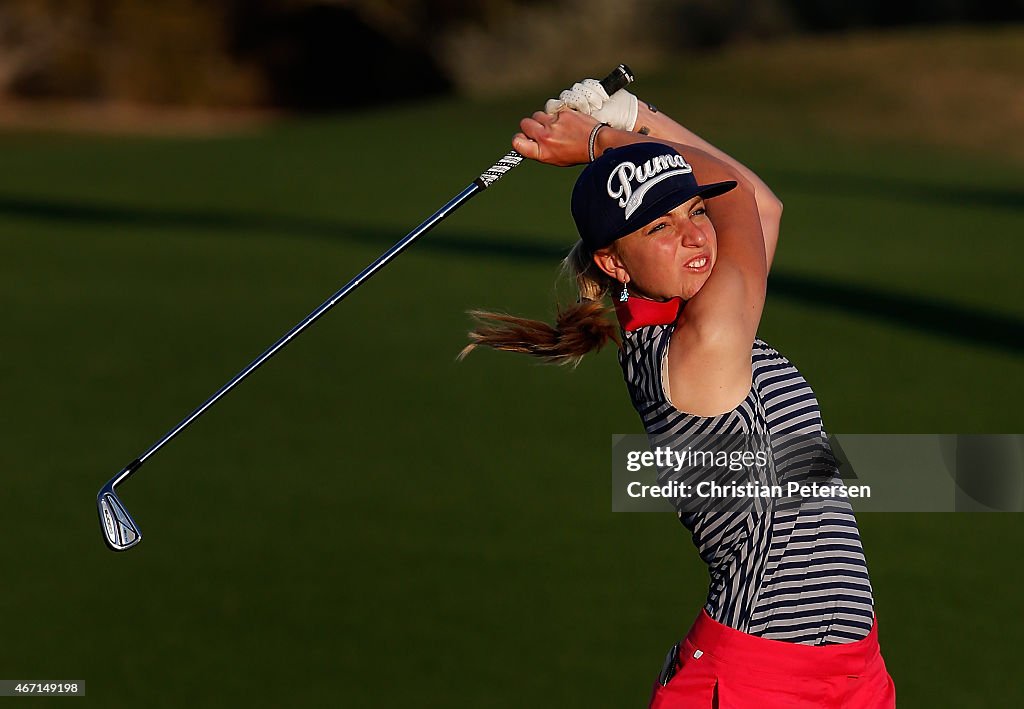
724 668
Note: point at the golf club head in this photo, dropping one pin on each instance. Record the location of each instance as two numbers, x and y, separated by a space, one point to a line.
119 529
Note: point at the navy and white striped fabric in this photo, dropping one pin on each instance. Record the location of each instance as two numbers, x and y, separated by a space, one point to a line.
788 569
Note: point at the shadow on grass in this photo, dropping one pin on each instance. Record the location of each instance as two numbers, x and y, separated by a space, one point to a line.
898 190
943 319
281 225
949 321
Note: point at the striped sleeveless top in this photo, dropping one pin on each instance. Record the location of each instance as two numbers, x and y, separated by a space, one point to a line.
781 568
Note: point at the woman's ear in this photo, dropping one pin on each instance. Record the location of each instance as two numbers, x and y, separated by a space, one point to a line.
608 260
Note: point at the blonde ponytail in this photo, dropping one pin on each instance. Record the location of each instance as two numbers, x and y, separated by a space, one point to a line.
583 327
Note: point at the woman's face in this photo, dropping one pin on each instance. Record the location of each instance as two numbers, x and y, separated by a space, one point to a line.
671 256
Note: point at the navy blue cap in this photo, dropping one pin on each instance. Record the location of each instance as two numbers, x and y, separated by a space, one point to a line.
629 187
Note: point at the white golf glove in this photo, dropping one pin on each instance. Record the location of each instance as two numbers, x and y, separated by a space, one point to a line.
589 97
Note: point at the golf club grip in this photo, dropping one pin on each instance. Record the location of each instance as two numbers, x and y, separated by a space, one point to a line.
619 78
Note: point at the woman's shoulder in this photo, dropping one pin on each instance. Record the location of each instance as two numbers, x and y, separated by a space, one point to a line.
648 339
649 335
646 333
644 360
764 356
763 348
646 347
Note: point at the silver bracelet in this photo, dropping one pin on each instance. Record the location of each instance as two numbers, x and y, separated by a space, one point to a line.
593 139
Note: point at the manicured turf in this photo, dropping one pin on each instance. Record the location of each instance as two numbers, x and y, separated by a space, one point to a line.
367 522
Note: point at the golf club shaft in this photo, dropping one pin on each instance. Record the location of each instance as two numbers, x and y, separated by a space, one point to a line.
111 510
386 257
406 242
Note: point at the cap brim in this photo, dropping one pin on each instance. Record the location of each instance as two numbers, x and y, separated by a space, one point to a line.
716 188
672 200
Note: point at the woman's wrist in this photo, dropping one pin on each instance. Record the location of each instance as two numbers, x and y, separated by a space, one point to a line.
608 137
604 135
592 140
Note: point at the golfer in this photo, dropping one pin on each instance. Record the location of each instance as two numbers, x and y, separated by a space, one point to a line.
680 237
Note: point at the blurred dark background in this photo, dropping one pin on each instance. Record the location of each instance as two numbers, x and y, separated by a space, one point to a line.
303 54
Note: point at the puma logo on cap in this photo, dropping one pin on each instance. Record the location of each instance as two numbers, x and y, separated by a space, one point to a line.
621 180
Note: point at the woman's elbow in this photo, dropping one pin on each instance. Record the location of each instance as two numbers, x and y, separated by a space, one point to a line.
770 213
771 206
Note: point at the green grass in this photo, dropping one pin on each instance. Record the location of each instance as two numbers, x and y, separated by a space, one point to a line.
368 523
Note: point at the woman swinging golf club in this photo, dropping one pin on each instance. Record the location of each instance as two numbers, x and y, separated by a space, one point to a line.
789 617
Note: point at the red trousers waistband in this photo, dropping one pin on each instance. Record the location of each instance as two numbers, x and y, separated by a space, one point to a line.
736 647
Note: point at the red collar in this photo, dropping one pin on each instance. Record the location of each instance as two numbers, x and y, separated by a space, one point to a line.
638 312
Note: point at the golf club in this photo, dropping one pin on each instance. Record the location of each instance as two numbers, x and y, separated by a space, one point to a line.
119 529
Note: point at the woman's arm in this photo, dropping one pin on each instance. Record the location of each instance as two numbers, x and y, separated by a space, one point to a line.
709 356
709 365
769 207
624 111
